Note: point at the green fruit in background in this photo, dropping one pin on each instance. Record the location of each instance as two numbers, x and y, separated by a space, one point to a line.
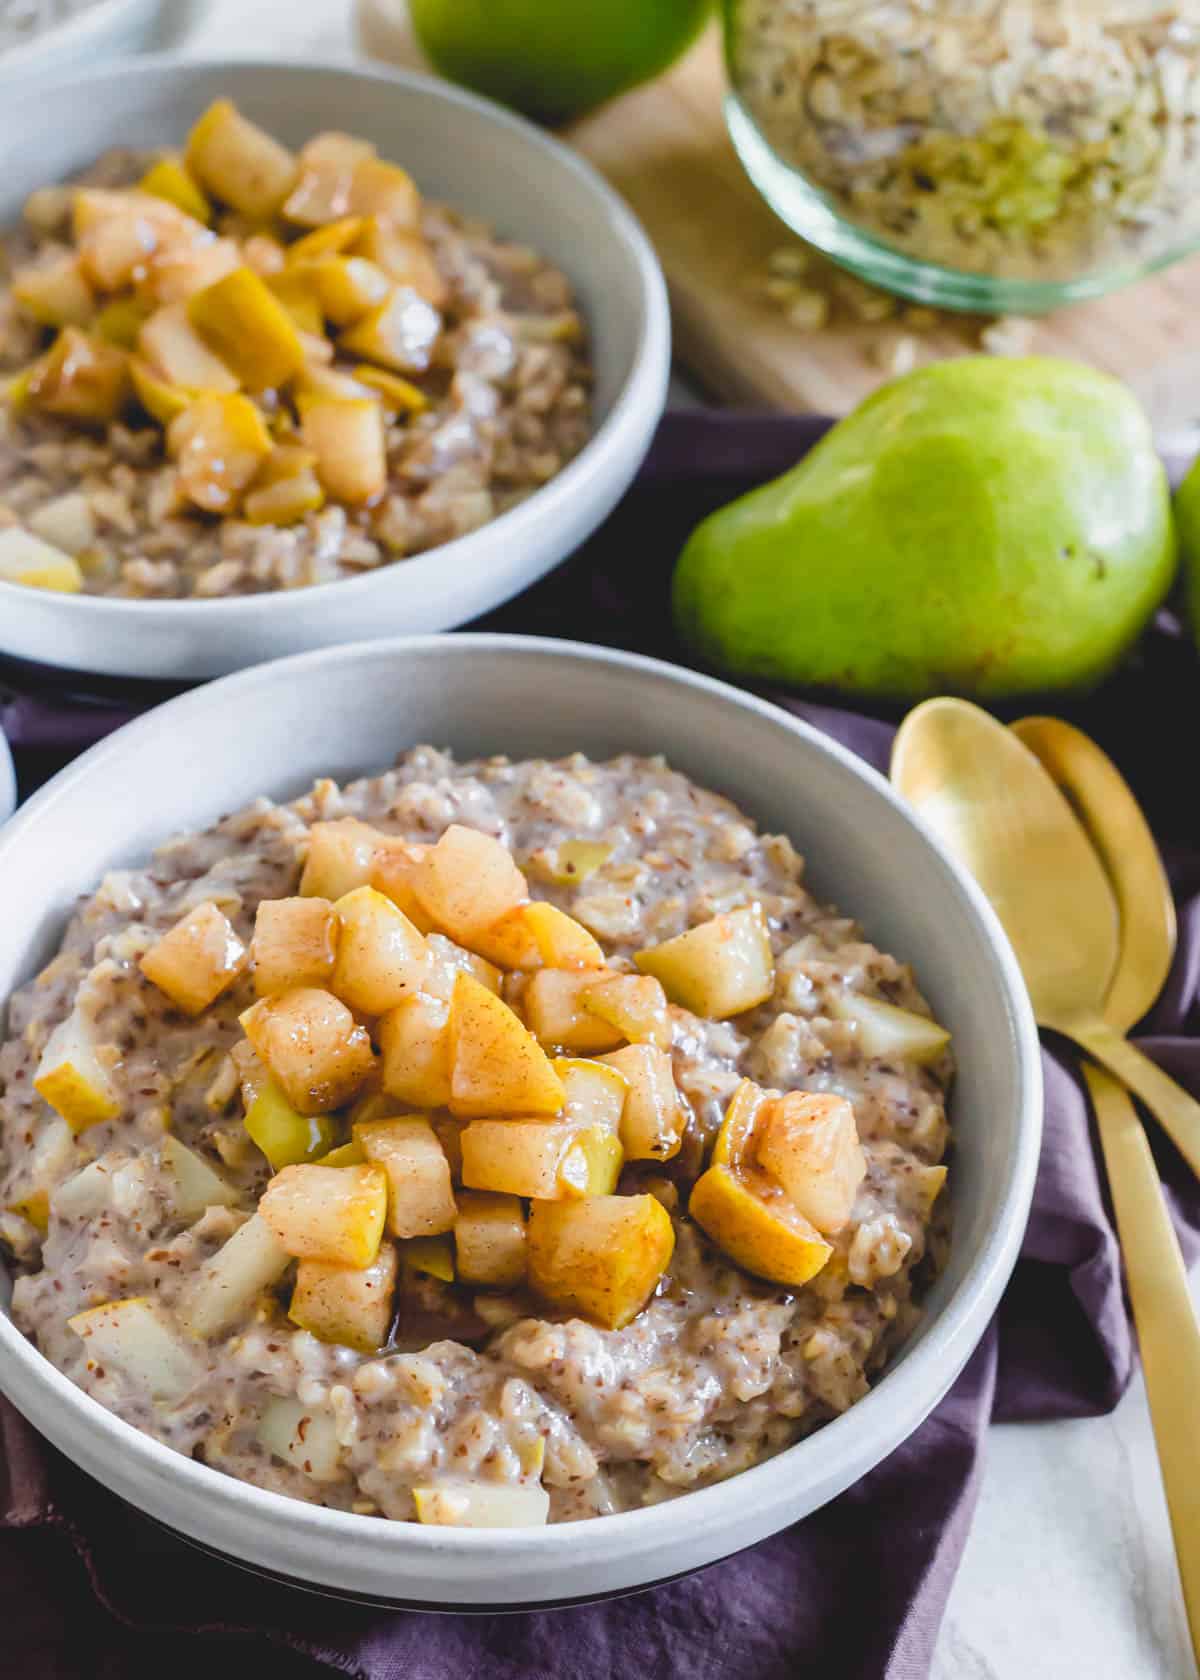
554 59
983 526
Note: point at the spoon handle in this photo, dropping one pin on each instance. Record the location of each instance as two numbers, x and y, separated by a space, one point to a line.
1176 1112
1167 1331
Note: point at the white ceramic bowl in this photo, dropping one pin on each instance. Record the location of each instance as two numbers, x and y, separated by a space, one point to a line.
353 709
463 150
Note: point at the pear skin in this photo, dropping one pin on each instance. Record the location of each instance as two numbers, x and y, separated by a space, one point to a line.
985 527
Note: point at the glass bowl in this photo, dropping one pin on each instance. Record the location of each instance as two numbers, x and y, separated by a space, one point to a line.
1005 156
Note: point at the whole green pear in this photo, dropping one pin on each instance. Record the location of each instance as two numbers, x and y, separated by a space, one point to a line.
983 526
554 59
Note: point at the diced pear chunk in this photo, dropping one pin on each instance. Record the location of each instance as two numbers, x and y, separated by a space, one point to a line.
240 163
604 1158
196 960
469 1504
392 873
467 881
420 1198
229 1284
334 1214
218 444
745 1211
294 944
294 290
399 396
120 322
79 378
67 522
602 1257
399 333
404 256
721 968
345 1155
170 179
328 241
574 860
595 1092
341 856
161 400
636 1005
557 1015
174 349
808 1143
313 1045
54 293
195 1184
750 1217
177 273
496 1066
284 500
448 960
381 957
384 190
135 1338
26 559
303 1436
86 1194
243 322
71 1077
34 1207
653 1117
541 1158
285 1136
886 1032
414 1038
326 176
346 287
346 1304
489 1239
346 434
118 234
539 935
431 1257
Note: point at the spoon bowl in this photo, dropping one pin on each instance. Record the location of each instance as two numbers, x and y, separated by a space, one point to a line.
1112 819
997 808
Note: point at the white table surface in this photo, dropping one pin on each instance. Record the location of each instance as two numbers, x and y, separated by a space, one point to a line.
1069 1571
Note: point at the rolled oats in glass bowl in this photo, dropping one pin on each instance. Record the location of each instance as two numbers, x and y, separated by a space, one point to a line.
999 155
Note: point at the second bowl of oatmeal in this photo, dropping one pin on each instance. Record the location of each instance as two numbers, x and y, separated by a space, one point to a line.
622 1323
298 356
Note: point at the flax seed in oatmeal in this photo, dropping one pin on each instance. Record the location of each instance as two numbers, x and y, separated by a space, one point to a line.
475 1392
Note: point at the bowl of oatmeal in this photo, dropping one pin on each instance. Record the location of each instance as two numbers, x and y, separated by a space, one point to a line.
460 1152
267 329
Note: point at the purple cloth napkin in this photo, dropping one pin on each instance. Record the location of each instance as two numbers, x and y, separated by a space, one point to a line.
87 1587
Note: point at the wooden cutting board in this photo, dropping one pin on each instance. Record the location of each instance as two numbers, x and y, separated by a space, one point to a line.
665 148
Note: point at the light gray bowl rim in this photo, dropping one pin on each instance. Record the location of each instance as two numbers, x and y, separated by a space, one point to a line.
947 1342
645 383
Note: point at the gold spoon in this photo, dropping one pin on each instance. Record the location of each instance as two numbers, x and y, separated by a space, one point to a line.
996 808
1167 1331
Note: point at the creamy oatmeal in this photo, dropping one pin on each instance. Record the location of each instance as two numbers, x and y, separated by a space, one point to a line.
240 369
396 1148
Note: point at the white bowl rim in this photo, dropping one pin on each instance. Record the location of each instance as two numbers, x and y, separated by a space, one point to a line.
74 32
645 384
945 1346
